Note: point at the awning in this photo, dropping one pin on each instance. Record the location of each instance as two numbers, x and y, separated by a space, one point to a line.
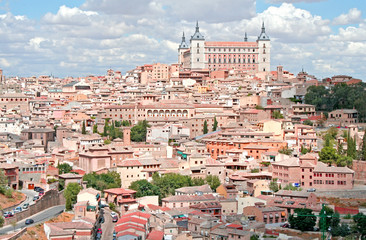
265 216
270 216
283 214
277 215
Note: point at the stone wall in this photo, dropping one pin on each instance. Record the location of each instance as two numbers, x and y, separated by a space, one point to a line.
360 171
49 199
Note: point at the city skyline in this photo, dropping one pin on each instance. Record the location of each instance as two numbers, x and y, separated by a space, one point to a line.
77 38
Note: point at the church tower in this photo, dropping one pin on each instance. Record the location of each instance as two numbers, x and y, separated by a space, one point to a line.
197 50
181 49
264 54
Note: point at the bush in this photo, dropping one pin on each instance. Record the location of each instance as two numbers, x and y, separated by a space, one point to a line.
9 193
112 207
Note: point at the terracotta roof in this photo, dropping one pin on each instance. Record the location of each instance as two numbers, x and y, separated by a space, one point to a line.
190 198
119 191
322 167
155 235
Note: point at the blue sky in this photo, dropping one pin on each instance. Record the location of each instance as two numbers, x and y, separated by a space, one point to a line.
82 37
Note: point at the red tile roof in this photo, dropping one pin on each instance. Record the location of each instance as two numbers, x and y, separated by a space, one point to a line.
155 235
119 191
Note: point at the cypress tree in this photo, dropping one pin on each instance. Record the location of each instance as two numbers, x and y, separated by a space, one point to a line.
363 150
205 128
83 129
214 127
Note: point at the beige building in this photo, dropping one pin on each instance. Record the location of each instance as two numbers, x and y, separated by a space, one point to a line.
133 170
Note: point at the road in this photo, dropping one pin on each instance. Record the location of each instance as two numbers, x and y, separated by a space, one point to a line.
29 193
107 226
38 218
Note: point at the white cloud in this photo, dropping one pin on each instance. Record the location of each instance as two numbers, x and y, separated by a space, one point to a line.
353 16
70 16
124 34
294 1
4 62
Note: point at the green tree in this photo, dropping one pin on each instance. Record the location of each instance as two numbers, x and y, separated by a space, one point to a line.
273 185
214 127
304 150
277 115
213 181
308 122
105 129
363 149
318 96
332 221
64 168
171 181
301 222
360 224
259 107
138 132
83 128
103 181
205 128
328 155
285 150
198 181
254 237
351 147
3 182
342 161
112 207
145 188
70 193
95 128
1 221
342 230
125 123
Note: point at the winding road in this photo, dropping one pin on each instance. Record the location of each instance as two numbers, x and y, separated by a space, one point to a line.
38 218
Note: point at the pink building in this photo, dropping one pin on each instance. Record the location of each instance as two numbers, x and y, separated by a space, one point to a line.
95 159
309 173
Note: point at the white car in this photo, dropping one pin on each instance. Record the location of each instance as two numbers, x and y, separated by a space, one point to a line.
113 214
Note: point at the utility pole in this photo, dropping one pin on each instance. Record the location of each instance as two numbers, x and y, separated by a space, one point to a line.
323 216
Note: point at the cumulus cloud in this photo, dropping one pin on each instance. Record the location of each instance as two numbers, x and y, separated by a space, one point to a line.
70 16
124 34
353 16
190 10
295 1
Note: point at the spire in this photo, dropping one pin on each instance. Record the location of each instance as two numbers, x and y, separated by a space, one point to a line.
183 44
197 35
245 37
263 36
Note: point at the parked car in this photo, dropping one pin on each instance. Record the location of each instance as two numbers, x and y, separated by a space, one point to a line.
113 214
29 221
98 236
17 209
285 225
114 219
311 190
8 214
35 198
25 206
99 230
101 220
